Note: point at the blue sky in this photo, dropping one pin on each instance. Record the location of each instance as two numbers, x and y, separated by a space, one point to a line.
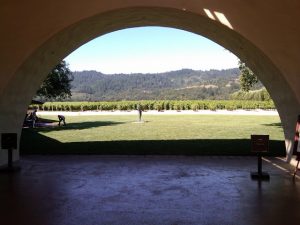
150 50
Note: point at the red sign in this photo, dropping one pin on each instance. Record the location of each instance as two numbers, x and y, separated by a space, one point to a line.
259 143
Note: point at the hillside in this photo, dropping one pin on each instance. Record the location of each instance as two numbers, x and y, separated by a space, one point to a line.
182 84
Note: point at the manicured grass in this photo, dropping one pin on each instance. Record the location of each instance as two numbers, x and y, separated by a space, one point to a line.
159 134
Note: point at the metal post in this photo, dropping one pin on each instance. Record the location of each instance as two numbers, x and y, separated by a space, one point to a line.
10 158
259 175
259 165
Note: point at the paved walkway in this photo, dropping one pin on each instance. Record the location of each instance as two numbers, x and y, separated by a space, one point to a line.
258 112
166 190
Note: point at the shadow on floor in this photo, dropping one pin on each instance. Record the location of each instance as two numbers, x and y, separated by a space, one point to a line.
34 143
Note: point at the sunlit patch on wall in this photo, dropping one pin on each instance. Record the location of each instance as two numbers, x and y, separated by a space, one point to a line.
218 16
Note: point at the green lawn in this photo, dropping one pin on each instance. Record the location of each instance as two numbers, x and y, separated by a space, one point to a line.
159 134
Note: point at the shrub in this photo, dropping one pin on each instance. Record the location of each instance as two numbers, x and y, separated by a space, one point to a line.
160 105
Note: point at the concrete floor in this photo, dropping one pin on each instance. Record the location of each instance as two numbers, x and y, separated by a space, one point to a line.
91 190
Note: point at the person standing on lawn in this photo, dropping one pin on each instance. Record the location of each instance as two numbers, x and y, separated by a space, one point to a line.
139 108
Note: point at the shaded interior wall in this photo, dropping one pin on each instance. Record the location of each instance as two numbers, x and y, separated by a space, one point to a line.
33 43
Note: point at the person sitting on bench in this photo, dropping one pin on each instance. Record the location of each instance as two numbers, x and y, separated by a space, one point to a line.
61 118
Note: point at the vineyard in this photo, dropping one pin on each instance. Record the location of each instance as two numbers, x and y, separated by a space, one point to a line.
157 105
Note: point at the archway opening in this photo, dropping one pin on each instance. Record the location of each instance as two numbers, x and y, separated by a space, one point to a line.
164 86
39 62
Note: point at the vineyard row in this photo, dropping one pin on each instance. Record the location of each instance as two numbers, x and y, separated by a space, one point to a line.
157 105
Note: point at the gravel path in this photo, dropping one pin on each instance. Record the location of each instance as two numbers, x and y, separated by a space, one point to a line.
257 112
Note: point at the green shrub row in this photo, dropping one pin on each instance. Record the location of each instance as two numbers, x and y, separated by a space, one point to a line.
257 95
157 105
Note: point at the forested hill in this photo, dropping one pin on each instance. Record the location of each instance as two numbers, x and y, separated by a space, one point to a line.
182 84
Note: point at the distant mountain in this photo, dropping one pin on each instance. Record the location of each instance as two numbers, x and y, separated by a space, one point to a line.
182 84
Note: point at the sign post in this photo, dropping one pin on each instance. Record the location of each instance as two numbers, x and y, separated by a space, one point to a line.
259 145
9 142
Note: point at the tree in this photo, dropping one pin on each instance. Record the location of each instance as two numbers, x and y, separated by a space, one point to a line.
57 85
247 77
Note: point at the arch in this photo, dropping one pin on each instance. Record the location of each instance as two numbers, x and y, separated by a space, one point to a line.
28 76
